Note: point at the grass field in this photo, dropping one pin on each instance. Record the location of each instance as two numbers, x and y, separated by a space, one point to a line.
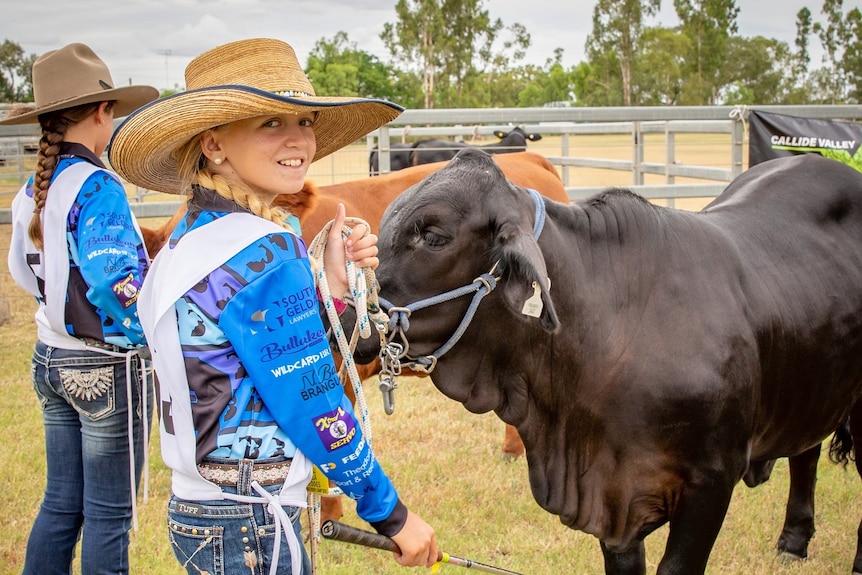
446 464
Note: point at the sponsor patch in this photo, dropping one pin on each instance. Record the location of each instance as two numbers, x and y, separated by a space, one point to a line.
335 429
126 290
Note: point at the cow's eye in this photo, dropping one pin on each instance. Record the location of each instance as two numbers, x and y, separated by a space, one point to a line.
433 239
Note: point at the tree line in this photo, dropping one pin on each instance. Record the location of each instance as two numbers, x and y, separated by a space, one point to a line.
454 54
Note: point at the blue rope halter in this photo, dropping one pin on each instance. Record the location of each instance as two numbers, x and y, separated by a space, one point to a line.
399 317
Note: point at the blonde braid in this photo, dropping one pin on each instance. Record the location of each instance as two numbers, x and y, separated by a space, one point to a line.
192 169
242 196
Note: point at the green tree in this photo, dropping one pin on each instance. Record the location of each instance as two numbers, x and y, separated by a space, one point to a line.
841 39
450 44
758 71
16 80
336 67
618 27
414 40
553 83
460 78
659 77
602 86
802 56
582 81
502 87
708 24
833 37
503 76
799 91
407 88
852 61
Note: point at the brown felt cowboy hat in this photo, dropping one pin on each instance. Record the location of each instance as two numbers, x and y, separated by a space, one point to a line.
235 81
73 76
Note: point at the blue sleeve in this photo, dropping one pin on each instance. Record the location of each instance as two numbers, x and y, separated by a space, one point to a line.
110 253
275 328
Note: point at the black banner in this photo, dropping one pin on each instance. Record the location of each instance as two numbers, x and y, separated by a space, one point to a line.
776 135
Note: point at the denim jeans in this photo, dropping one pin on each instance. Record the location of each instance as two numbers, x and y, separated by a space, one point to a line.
87 494
229 538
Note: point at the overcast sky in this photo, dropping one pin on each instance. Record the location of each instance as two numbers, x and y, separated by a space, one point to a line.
151 41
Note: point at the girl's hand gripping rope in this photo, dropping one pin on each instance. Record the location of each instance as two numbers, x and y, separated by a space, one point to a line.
360 247
343 260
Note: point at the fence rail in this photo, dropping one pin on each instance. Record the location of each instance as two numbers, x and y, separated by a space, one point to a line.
568 124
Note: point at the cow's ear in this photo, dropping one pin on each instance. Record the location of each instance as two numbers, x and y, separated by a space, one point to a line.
500 134
534 137
525 282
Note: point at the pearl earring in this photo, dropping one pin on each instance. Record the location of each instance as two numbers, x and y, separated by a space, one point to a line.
217 161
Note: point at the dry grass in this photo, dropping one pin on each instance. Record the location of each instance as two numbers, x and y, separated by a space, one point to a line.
446 464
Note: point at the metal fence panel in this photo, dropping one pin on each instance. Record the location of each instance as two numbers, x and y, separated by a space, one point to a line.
568 123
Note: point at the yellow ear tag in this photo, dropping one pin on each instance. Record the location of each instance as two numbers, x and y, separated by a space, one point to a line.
319 482
533 306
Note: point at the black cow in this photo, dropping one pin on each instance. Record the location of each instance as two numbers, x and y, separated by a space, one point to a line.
399 158
649 357
430 151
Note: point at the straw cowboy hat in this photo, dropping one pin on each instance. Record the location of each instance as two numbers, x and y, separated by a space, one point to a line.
73 76
233 82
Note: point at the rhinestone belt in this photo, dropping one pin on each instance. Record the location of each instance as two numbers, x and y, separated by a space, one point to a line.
228 474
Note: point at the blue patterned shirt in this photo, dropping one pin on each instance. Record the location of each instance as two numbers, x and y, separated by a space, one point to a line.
107 259
259 367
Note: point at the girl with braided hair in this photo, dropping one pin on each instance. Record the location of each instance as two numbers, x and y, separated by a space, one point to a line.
77 248
250 398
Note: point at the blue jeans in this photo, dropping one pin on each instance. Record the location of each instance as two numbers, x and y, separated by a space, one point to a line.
87 495
227 537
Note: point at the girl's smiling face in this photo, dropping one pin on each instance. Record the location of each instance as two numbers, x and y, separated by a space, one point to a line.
269 154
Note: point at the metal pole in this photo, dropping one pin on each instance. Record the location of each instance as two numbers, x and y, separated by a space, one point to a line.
349 534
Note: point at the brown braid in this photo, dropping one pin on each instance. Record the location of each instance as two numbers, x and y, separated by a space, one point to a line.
54 126
192 168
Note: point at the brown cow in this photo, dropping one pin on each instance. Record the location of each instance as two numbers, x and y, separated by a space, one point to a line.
367 199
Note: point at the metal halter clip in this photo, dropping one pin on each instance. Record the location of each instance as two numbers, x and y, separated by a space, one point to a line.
390 366
387 387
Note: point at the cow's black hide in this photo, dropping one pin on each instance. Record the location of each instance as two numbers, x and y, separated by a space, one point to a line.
436 150
399 158
675 351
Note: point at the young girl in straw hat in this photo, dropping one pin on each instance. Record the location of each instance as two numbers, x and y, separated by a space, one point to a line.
77 248
249 394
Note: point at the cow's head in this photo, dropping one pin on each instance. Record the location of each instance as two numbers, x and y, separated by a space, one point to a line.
441 234
517 134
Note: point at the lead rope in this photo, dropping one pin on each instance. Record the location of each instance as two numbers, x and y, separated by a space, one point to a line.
130 423
362 286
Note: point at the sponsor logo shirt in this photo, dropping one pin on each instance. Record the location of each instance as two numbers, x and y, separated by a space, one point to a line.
107 258
261 375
